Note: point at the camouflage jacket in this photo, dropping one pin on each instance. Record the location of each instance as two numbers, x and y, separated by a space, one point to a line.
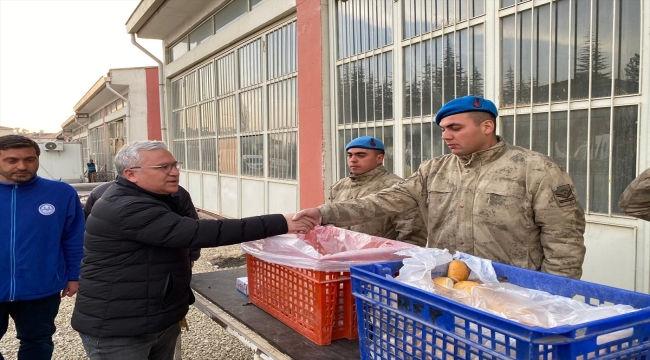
408 227
635 200
506 203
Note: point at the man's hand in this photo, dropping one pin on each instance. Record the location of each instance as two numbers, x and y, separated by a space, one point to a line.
299 226
70 289
312 213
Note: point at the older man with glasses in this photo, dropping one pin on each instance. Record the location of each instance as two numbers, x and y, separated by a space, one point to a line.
135 276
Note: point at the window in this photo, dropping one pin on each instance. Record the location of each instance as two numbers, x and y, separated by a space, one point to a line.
229 13
200 34
246 125
598 61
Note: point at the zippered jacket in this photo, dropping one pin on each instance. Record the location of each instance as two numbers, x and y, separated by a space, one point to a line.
135 276
41 238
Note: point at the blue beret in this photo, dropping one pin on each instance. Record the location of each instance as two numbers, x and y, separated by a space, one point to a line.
365 142
466 104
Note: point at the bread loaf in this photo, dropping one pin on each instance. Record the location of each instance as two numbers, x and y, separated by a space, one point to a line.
444 281
465 286
458 271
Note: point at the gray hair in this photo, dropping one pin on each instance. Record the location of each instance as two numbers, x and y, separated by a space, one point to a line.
129 155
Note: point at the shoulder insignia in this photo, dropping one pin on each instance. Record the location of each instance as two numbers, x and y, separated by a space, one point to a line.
564 195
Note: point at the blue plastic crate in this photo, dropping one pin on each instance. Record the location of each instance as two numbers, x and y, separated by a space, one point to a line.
398 321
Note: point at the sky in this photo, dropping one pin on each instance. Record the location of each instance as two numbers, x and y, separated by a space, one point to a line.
53 51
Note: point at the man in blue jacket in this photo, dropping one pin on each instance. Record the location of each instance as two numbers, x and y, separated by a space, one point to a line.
41 246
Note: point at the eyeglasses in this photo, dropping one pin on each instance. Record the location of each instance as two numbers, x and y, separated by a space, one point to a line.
166 168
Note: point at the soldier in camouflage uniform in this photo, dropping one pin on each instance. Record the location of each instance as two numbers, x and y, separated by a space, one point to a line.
368 176
487 198
635 200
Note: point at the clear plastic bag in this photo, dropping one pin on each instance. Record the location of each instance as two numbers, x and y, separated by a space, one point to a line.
326 248
527 306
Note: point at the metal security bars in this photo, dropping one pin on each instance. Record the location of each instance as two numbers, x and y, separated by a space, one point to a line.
237 113
565 68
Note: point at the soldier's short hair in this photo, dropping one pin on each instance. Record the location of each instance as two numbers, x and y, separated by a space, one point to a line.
479 116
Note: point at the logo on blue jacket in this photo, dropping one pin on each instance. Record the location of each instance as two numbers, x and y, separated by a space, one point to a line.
46 209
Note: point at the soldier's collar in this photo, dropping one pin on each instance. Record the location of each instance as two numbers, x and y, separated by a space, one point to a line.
485 156
370 174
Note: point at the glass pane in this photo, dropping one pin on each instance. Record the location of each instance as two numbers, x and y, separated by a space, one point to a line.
191 91
251 111
580 43
524 58
559 137
477 8
207 119
601 48
461 10
228 156
339 92
409 18
624 151
427 144
461 63
508 128
283 155
439 14
628 25
254 3
540 133
206 83
178 150
177 97
281 51
476 58
228 14
209 155
416 148
227 116
252 159
193 158
347 80
450 19
282 104
541 50
178 50
560 51
578 151
408 151
250 64
523 131
342 170
438 147
192 117
388 145
506 3
436 82
387 84
178 125
599 162
369 83
226 82
361 89
200 34
449 85
427 74
507 61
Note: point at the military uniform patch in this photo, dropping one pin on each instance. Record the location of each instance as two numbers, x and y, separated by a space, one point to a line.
564 195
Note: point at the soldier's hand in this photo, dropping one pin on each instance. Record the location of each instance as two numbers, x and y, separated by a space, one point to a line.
300 225
70 289
312 213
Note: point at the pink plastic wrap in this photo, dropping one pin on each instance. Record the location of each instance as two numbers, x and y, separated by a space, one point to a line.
326 248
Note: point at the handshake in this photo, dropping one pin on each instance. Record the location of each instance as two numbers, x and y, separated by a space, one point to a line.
303 221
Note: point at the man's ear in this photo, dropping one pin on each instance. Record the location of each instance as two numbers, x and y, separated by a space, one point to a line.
488 127
129 174
380 158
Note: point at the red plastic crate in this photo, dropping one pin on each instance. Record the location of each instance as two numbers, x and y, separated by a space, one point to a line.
317 304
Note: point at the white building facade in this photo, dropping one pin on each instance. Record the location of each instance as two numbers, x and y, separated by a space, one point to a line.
120 107
263 95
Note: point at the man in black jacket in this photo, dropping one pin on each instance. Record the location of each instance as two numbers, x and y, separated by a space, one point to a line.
135 276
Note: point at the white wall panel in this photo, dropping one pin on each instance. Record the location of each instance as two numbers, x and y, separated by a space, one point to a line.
194 188
182 179
611 254
229 198
283 198
210 193
252 198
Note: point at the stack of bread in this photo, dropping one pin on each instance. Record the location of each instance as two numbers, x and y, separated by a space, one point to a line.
456 278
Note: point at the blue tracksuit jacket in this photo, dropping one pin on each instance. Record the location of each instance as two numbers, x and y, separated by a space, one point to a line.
41 238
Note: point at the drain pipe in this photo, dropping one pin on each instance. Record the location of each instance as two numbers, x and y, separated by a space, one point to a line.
161 88
128 108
